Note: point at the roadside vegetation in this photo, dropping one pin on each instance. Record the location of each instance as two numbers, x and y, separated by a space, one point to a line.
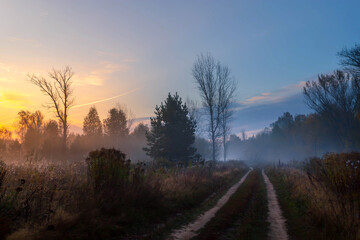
320 199
106 197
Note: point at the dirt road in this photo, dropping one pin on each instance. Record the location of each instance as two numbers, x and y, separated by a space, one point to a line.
275 218
190 230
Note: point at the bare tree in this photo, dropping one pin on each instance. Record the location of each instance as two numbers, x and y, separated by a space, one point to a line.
336 98
204 72
217 92
59 89
226 95
350 58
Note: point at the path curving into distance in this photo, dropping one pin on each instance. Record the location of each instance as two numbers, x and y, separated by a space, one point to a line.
190 230
276 220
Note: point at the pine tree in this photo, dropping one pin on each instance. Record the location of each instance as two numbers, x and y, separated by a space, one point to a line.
172 132
92 125
115 125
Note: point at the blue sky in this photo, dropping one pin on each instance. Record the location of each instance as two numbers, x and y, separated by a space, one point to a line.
141 50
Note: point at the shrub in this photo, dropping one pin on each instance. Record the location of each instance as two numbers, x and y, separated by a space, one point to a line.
324 201
107 168
339 176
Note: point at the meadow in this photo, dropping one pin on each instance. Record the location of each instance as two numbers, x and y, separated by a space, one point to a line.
106 196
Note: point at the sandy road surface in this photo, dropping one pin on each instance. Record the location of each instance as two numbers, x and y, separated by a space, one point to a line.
190 230
276 220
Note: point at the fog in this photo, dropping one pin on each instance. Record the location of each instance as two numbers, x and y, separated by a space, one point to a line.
294 138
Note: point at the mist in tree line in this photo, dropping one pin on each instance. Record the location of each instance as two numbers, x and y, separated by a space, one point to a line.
333 126
194 132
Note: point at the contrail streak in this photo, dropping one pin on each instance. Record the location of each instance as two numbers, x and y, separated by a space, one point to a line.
106 99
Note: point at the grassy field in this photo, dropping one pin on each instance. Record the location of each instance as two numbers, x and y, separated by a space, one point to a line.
95 201
108 197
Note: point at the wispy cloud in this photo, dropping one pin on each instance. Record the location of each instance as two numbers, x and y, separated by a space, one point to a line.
105 99
252 133
275 96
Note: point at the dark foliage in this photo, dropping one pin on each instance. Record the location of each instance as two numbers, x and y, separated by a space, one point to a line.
339 176
172 132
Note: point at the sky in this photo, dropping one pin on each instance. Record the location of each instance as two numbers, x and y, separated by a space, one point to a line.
134 53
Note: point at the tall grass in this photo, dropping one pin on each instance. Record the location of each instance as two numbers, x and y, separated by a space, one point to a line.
322 199
106 196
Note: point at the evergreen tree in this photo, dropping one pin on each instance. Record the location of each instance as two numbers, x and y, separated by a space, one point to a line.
172 133
92 125
115 125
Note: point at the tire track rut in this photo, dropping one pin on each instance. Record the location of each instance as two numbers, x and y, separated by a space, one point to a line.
190 230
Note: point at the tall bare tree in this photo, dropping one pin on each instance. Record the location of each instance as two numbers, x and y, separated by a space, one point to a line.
226 95
58 87
204 72
217 90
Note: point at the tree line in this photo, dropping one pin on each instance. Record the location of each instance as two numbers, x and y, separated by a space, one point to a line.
333 126
171 136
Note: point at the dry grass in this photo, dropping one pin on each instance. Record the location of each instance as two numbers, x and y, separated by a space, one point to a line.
329 202
57 201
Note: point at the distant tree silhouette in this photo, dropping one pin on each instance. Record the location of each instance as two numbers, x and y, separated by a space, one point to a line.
203 147
30 130
172 132
28 120
5 133
92 126
52 140
283 124
15 148
5 137
115 125
140 130
59 89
